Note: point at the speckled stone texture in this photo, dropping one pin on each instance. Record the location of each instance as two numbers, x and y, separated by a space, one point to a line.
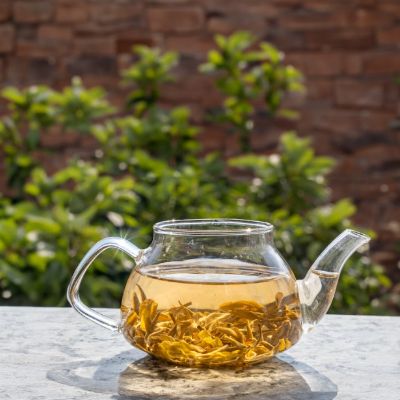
50 353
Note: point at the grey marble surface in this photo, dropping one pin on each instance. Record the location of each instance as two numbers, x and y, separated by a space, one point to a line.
50 353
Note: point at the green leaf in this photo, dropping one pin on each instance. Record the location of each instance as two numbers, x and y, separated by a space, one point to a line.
335 214
273 54
32 189
42 224
13 95
214 57
8 231
38 261
23 160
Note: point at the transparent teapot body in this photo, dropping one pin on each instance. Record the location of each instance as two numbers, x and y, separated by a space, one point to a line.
211 293
216 293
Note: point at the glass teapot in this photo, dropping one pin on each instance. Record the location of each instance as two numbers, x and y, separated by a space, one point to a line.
216 292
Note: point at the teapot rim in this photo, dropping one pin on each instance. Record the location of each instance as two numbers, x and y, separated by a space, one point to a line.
212 227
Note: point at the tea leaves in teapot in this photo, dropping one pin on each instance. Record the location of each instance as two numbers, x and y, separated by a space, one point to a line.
232 333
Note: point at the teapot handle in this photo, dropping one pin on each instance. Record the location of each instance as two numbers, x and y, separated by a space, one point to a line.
73 287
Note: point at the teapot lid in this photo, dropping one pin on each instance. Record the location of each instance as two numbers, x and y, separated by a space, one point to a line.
212 227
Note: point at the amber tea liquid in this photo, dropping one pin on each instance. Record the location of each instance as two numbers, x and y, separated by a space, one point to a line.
210 313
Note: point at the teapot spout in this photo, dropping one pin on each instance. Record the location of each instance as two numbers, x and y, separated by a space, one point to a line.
317 289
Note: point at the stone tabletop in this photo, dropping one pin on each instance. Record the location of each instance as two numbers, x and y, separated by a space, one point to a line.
53 353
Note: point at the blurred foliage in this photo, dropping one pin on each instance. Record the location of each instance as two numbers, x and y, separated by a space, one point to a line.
147 74
148 167
247 74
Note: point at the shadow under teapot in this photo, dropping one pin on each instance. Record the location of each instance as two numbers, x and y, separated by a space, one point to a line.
149 378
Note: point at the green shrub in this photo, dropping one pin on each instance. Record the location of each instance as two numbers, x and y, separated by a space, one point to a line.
151 156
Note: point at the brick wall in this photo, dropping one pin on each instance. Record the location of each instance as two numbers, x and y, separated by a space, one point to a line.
349 51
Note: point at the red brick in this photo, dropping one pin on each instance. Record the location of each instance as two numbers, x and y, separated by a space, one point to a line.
284 3
318 64
391 7
286 40
364 17
292 101
213 138
28 32
231 148
320 88
226 25
391 226
92 28
71 11
195 45
382 63
39 49
341 39
124 59
299 60
361 193
353 142
95 45
197 112
241 8
5 10
55 138
389 36
175 18
89 143
346 169
378 157
53 164
55 33
7 38
376 121
33 11
167 2
313 21
366 3
336 121
353 63
23 71
126 40
198 88
112 11
266 136
392 93
358 94
262 9
319 6
96 66
385 257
